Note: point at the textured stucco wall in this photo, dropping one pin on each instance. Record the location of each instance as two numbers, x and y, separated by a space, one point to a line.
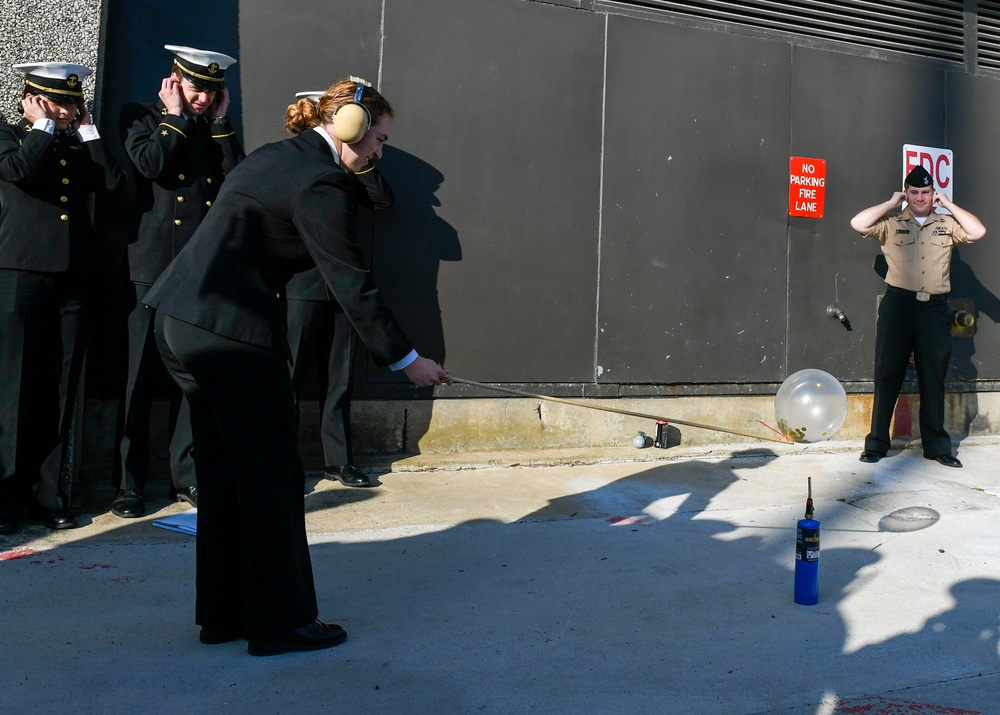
53 31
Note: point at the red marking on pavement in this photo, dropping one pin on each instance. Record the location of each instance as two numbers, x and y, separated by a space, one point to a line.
876 705
628 520
19 554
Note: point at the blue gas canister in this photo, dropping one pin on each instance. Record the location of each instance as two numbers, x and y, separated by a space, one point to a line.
807 556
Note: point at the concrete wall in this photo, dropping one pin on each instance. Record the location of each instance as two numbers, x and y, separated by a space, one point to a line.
58 31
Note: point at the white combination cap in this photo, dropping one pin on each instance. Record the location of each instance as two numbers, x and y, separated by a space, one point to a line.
202 68
58 81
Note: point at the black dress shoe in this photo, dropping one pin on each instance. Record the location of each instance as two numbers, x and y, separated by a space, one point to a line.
947 460
314 636
60 520
52 518
870 457
8 524
187 494
348 475
216 636
128 504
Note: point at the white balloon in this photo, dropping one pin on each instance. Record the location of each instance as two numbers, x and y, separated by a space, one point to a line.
811 405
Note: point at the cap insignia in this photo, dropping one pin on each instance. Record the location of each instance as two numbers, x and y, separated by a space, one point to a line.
72 80
213 68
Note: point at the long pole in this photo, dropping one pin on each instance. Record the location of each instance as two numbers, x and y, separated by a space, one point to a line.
617 411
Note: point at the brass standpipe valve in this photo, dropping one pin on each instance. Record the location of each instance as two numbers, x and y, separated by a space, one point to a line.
963 319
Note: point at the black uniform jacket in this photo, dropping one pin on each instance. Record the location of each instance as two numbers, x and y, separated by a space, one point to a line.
45 185
375 193
286 206
178 165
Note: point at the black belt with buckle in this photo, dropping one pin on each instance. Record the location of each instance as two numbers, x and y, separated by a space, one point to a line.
919 295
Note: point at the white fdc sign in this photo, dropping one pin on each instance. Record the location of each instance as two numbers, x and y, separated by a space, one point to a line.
939 163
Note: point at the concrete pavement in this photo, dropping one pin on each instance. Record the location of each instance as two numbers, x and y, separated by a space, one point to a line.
588 583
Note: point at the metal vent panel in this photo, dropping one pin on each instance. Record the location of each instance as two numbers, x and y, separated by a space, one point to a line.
988 35
928 29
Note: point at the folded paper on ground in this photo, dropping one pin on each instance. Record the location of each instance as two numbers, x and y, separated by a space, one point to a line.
185 523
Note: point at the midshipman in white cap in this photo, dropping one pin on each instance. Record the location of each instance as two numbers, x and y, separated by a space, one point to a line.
181 149
52 161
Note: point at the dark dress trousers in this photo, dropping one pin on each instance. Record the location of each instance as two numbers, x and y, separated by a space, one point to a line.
222 331
907 326
178 166
49 257
320 333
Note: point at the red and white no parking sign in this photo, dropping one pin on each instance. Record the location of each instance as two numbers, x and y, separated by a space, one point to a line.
806 187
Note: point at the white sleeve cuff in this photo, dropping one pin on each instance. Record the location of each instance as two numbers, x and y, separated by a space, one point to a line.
44 124
88 133
405 362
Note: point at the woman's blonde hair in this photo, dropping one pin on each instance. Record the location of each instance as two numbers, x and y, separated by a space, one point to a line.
307 113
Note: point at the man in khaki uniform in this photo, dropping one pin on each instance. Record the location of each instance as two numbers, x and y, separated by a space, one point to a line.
914 316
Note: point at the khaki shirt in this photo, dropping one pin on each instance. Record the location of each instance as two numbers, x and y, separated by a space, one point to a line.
919 257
